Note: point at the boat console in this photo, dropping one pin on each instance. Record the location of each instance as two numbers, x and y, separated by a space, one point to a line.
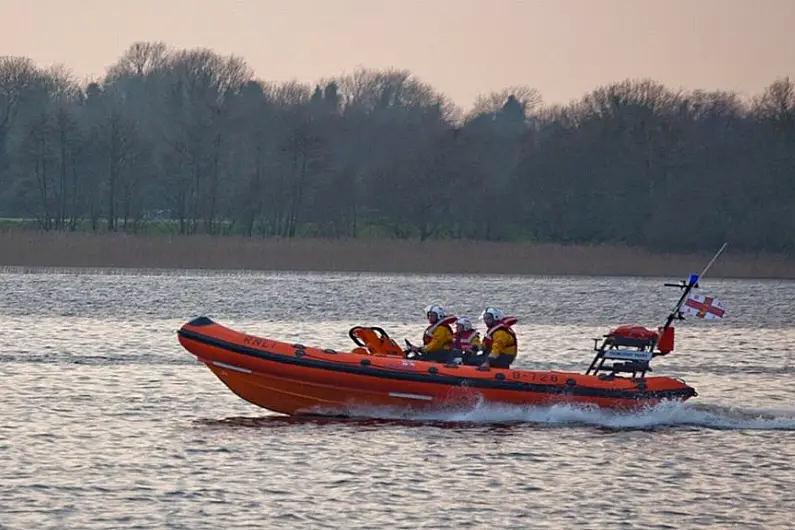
632 347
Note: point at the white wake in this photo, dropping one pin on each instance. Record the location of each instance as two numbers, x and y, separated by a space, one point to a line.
666 414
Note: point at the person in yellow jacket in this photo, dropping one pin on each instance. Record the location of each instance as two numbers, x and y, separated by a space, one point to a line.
437 340
499 342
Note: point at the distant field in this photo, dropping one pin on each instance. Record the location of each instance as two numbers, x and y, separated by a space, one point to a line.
29 248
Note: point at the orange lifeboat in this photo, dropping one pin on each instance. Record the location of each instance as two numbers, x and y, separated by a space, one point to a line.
297 379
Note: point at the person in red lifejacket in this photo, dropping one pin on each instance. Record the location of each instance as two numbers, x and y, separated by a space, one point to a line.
499 342
466 340
437 340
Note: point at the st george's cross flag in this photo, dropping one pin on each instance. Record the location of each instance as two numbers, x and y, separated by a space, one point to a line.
704 307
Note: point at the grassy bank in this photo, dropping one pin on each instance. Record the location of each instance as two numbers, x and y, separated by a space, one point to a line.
25 248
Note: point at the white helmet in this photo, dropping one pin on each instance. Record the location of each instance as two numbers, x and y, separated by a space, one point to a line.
495 313
465 323
435 309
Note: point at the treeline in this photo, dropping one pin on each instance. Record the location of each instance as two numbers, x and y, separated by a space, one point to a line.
192 139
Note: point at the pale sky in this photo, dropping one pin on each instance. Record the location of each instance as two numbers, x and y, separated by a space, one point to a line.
564 48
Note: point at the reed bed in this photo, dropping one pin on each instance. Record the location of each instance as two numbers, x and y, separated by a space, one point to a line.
32 249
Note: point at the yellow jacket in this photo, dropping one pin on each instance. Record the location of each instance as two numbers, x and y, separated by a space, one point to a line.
502 343
442 339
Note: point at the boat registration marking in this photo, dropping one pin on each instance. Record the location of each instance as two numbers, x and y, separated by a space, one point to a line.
231 367
411 396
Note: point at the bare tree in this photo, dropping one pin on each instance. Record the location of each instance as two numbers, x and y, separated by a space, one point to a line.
18 77
372 90
528 98
140 60
199 83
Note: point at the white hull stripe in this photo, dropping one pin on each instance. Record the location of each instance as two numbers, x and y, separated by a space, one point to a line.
411 396
230 367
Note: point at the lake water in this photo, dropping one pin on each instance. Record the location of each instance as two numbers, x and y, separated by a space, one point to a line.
106 422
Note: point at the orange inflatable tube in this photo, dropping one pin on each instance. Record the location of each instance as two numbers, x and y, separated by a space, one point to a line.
297 379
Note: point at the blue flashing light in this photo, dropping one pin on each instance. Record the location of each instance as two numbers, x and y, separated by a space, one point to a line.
693 279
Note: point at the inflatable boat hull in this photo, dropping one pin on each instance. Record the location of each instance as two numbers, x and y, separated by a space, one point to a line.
294 379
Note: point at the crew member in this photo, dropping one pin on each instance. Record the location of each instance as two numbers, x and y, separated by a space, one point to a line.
499 343
466 340
437 339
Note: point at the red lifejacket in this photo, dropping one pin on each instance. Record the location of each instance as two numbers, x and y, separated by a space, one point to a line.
635 332
505 324
463 341
447 322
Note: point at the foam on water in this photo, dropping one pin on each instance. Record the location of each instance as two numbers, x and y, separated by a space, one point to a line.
666 414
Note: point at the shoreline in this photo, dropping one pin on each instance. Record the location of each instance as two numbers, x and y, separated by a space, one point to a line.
29 250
